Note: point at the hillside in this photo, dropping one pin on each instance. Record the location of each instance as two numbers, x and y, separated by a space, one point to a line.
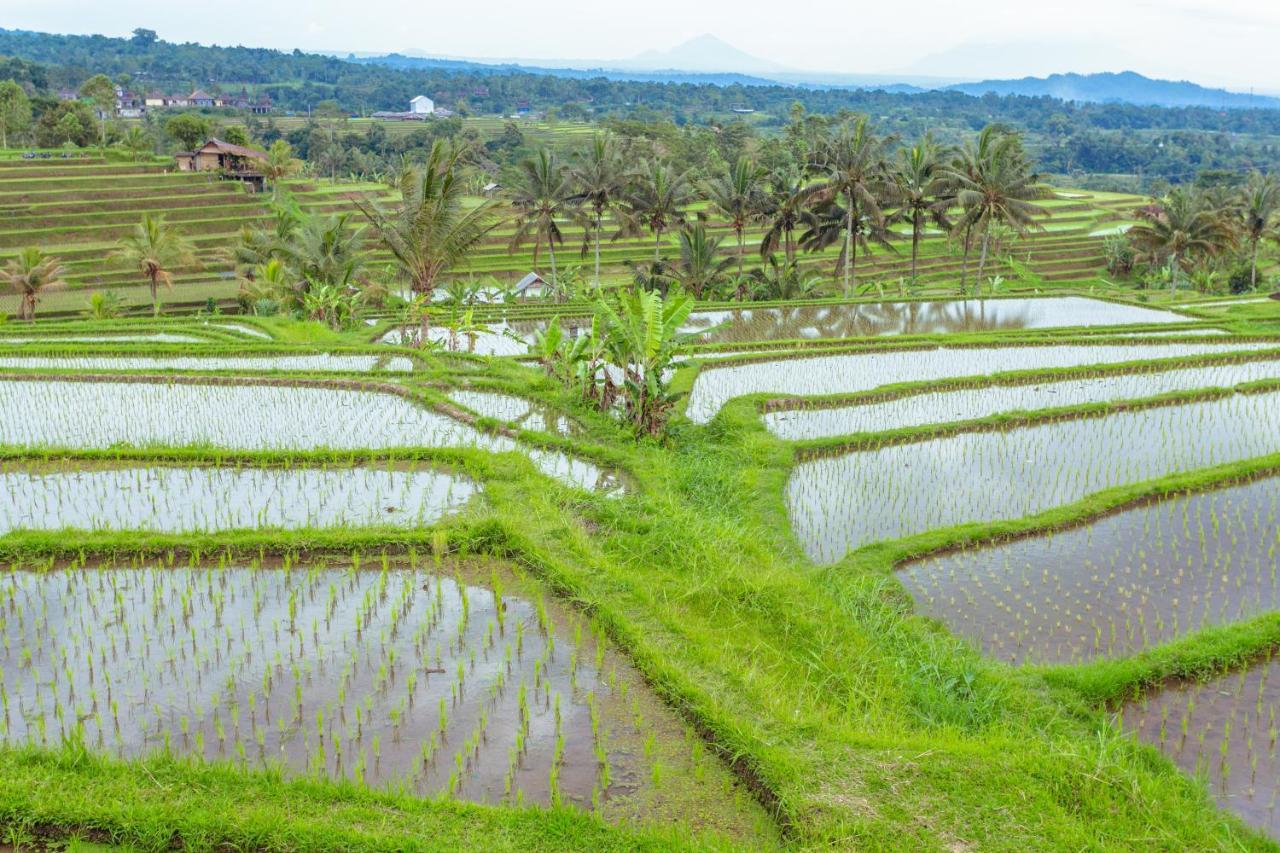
1126 87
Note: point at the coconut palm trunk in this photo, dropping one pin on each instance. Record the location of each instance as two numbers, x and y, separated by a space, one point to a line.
915 245
848 241
982 257
599 217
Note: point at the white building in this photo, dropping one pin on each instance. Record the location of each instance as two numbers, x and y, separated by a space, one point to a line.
422 105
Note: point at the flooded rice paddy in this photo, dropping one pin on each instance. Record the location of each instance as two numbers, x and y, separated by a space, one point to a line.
158 338
517 411
250 417
1114 586
930 407
1223 730
840 503
206 499
449 679
322 362
834 321
846 374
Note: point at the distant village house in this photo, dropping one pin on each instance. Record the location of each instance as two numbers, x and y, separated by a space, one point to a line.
421 108
232 161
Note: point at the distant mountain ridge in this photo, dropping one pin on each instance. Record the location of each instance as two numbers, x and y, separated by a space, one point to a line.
708 60
1126 87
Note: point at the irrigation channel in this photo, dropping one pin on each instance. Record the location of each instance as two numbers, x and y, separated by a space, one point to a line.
840 503
834 321
445 678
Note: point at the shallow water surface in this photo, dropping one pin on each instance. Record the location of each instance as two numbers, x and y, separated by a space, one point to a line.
1114 586
1225 730
442 680
841 503
931 407
250 417
846 374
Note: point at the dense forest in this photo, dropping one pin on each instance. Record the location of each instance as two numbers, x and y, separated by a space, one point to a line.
1115 145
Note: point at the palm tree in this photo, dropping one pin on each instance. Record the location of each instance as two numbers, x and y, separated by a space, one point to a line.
1259 215
430 232
325 251
700 268
924 191
853 166
278 164
155 248
599 179
136 141
543 197
785 211
1182 230
655 200
738 194
30 273
829 224
995 186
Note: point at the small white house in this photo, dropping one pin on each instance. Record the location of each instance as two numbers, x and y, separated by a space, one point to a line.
422 105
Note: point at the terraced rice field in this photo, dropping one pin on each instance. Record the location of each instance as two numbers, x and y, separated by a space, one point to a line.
78 208
1115 586
326 362
57 496
252 417
436 680
847 374
927 406
841 503
1223 731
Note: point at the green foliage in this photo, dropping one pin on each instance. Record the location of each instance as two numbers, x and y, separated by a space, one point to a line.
188 130
15 111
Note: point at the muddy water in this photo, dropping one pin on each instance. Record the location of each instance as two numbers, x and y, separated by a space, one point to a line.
430 681
841 503
1225 730
1115 586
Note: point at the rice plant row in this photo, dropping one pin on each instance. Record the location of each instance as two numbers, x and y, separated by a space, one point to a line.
962 404
250 417
319 362
846 374
1114 586
842 503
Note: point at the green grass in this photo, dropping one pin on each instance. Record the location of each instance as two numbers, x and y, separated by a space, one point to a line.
858 723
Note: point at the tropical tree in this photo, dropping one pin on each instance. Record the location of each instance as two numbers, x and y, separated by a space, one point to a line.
598 179
1259 217
189 130
701 267
642 335
829 224
101 92
430 232
995 187
15 110
854 176
155 248
785 212
783 280
327 251
136 141
739 195
923 191
543 198
278 164
30 273
1182 230
655 200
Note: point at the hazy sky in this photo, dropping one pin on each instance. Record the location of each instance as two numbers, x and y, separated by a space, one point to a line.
1221 42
